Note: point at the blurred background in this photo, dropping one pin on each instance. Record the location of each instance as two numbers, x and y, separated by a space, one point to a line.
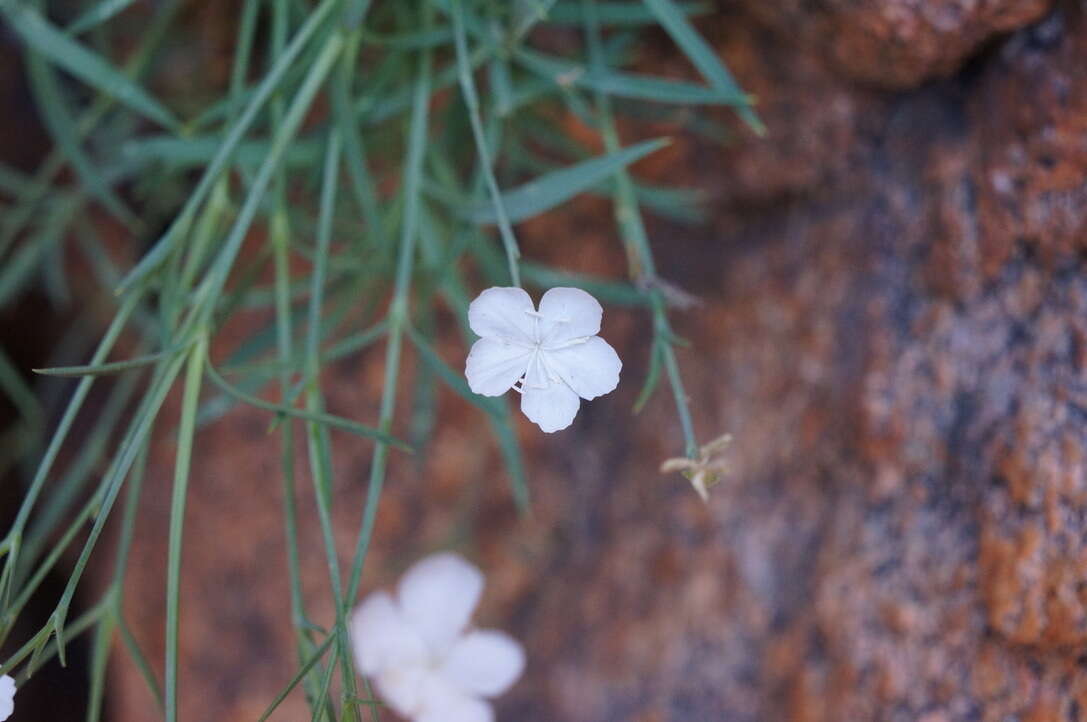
889 315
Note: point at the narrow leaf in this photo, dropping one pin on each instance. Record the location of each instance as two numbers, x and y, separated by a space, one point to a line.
675 21
103 369
335 421
471 101
626 85
298 677
554 188
283 64
651 377
620 14
62 128
97 14
43 37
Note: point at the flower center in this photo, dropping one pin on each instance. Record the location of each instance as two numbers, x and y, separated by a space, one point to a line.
540 374
536 316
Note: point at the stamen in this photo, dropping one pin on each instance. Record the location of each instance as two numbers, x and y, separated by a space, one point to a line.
548 372
572 342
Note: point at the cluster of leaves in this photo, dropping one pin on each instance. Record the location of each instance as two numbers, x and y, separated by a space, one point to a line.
377 146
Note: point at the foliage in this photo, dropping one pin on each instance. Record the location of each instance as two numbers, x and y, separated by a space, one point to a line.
382 148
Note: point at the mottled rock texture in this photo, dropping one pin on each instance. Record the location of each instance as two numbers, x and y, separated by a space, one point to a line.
898 43
894 328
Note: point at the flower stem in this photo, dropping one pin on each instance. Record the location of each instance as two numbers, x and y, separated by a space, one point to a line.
193 377
398 309
471 101
639 255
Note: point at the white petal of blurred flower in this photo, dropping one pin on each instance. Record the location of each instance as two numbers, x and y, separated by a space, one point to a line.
426 663
553 356
7 697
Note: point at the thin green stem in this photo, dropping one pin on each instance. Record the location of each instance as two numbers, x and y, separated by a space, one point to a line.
320 451
642 268
193 380
38 648
14 535
138 432
40 185
398 309
471 101
320 417
140 660
212 286
65 492
314 659
285 62
111 622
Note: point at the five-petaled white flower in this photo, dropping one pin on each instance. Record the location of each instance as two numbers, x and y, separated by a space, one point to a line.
424 661
554 353
7 697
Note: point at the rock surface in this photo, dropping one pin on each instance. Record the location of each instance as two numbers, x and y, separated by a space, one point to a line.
898 43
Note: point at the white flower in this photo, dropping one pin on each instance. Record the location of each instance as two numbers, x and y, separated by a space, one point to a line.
7 697
554 353
425 662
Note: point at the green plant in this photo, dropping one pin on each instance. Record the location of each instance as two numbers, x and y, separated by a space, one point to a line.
448 103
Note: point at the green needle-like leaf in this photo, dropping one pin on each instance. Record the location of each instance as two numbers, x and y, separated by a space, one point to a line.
334 421
302 672
62 127
271 82
626 85
186 430
88 66
96 15
471 101
112 367
552 189
674 19
631 13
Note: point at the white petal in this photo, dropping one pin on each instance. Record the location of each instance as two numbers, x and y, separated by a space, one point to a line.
504 314
403 688
552 408
591 369
536 376
568 313
485 662
382 637
442 701
437 596
7 697
494 366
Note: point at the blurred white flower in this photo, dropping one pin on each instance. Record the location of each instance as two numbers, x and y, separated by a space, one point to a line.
554 353
7 697
425 662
